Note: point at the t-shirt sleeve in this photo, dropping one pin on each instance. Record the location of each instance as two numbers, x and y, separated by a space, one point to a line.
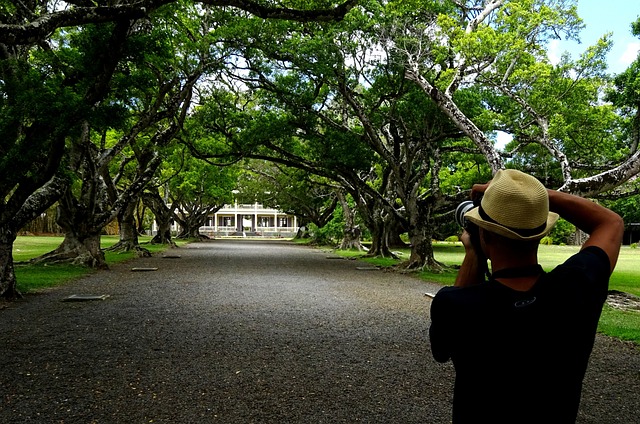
593 264
593 256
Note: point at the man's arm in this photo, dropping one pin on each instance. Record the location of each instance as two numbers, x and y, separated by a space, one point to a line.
472 268
605 227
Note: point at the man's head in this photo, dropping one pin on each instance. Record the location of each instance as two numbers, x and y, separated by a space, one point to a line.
515 206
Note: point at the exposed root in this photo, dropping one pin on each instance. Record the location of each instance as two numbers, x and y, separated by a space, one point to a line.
625 301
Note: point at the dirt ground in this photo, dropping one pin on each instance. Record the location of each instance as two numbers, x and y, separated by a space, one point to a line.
249 332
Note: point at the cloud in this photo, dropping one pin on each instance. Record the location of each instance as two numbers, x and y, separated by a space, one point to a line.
553 52
502 139
630 54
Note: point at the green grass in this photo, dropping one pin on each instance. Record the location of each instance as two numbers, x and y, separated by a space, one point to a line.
32 278
613 322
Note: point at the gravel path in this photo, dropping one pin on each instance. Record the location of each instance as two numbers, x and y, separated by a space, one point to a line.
249 332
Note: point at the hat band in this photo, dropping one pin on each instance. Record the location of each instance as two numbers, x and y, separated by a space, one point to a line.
523 232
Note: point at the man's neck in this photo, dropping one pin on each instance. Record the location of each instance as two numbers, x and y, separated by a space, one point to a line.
520 277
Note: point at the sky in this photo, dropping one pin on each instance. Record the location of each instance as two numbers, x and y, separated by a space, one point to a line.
601 17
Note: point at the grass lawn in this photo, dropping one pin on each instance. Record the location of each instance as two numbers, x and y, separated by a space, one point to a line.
35 277
624 325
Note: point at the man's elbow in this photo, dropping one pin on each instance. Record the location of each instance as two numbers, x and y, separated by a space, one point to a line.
618 226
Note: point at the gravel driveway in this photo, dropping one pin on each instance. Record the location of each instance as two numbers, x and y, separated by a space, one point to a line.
238 331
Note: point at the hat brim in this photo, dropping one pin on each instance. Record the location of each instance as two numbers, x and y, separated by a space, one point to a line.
474 216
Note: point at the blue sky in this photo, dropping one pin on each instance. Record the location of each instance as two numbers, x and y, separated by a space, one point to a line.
600 17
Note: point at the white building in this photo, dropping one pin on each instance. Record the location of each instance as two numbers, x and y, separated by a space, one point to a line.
250 219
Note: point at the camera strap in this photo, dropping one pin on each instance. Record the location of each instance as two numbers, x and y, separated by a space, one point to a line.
524 271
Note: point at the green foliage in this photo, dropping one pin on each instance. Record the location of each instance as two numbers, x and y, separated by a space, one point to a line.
562 232
295 191
460 172
546 241
192 180
452 239
332 232
628 208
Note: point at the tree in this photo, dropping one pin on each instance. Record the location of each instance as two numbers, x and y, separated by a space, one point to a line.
197 191
163 214
45 101
155 94
500 45
325 81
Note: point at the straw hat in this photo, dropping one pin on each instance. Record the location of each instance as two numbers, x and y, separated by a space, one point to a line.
516 206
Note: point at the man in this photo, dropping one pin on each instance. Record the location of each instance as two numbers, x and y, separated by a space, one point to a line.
520 342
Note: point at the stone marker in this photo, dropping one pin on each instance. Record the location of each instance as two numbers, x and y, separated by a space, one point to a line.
85 297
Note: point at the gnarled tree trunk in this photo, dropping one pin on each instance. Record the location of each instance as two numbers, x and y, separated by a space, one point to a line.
78 248
421 236
351 232
81 244
163 217
128 231
8 289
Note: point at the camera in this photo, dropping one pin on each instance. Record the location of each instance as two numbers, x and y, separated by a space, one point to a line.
463 208
474 234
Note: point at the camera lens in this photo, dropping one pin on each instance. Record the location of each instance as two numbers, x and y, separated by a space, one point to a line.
463 208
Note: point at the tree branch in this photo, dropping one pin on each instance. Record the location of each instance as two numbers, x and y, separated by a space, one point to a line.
43 26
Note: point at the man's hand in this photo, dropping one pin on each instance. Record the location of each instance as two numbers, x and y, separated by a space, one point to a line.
477 191
474 264
465 238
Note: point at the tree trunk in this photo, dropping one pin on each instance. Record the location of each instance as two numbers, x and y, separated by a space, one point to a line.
77 249
379 246
421 236
190 227
303 232
351 233
81 244
8 287
393 228
163 217
141 210
422 252
163 236
128 231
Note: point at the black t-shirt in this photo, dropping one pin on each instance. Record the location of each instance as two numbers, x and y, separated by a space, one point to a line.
520 357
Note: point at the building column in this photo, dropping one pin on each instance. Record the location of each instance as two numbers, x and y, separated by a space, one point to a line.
239 219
